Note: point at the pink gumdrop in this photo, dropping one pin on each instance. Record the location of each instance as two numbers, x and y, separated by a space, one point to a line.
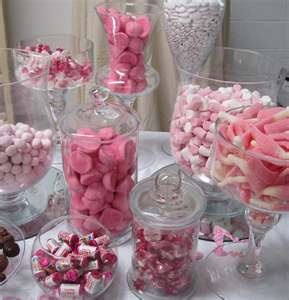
94 207
90 225
120 202
145 23
109 181
126 149
106 133
91 177
137 73
107 155
125 186
136 45
95 191
74 184
128 58
80 162
101 167
121 41
111 218
112 24
133 29
76 202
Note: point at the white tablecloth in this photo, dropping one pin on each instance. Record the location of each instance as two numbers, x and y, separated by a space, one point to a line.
22 285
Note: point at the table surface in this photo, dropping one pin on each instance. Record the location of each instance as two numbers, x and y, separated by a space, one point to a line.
22 285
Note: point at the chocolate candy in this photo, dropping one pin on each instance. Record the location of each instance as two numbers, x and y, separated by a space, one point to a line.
11 249
3 263
2 277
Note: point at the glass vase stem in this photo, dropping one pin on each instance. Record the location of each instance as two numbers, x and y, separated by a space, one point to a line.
259 223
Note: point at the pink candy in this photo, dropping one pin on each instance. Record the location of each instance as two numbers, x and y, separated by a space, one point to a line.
163 259
254 163
127 36
193 122
100 180
65 71
25 155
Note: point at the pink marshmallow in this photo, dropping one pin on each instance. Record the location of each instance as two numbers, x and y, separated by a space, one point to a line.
80 162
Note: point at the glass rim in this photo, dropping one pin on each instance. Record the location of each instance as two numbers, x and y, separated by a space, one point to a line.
29 53
237 50
75 37
88 137
156 7
251 153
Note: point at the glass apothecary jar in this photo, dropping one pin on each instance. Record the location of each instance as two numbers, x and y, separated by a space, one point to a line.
99 150
166 213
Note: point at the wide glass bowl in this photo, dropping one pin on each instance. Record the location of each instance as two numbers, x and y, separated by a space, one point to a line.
72 257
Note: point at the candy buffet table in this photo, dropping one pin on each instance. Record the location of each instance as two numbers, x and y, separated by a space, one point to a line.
22 286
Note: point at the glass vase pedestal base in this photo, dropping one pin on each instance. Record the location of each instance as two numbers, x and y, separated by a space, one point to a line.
39 204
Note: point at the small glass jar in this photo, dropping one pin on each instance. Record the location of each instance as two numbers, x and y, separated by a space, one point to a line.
99 150
167 214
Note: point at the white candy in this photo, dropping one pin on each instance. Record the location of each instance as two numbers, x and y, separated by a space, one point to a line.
46 143
19 143
5 140
9 178
204 151
48 133
3 157
266 99
186 154
27 136
39 134
188 127
11 150
190 114
36 143
16 159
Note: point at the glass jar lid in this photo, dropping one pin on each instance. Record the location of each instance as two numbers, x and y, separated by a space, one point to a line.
96 116
167 201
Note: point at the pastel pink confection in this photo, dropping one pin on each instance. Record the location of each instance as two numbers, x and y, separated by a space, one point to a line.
109 181
125 186
137 73
120 202
90 225
106 133
130 87
112 24
111 218
107 154
94 191
134 29
121 41
128 57
136 45
90 177
145 23
80 162
77 203
94 207
75 185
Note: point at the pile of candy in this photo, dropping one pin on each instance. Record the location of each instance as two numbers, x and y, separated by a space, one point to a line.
193 122
25 155
163 259
9 249
252 156
127 36
192 28
65 71
99 167
74 266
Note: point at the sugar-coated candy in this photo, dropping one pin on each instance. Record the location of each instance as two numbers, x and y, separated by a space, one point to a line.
83 272
19 161
193 122
127 37
100 181
252 160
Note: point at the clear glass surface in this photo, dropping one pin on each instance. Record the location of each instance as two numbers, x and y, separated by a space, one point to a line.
77 225
99 151
71 67
229 78
26 131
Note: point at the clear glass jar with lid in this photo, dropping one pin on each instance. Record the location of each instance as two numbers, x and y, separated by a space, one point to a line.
166 216
99 150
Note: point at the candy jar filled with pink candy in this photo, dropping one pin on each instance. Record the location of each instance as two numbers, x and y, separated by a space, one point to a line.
26 135
128 27
72 258
229 78
99 150
250 161
71 68
167 212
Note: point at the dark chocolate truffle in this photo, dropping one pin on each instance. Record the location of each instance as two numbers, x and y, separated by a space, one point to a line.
3 263
2 277
11 249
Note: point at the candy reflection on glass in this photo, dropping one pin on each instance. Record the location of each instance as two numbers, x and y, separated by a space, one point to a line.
251 157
